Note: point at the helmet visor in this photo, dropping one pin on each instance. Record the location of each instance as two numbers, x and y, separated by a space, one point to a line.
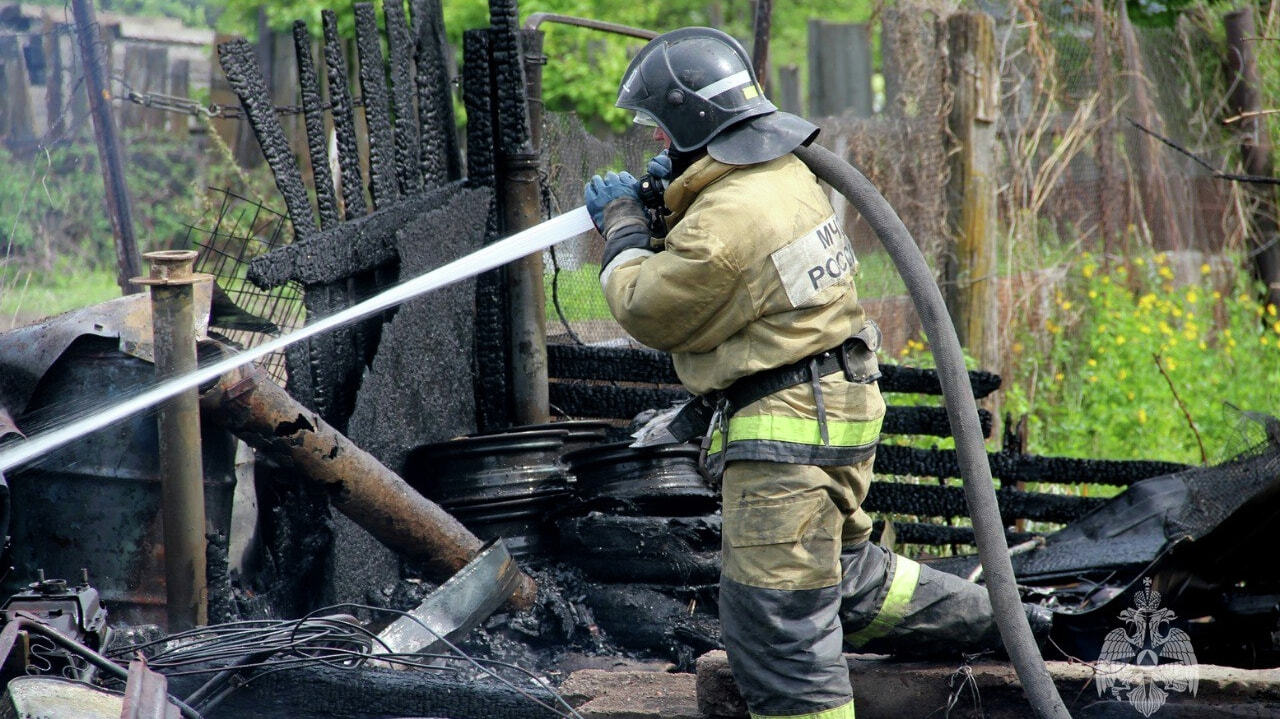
644 119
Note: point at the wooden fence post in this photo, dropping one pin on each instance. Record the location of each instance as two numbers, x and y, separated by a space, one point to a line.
787 96
1255 147
97 69
180 86
146 70
17 125
839 68
970 273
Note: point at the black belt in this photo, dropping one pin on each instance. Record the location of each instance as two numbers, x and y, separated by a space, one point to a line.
693 420
754 387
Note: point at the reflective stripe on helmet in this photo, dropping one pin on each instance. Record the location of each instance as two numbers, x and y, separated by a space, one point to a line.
725 84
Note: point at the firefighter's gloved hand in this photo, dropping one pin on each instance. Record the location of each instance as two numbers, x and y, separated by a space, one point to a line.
659 167
616 210
602 191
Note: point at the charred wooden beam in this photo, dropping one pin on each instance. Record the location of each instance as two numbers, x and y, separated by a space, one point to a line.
373 93
240 65
317 140
344 120
400 45
250 405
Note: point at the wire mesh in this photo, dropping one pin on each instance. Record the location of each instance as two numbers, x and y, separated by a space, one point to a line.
235 231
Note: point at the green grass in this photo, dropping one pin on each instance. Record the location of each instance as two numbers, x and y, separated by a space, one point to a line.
27 296
579 294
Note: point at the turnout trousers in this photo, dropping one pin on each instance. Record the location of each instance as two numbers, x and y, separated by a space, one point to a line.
801 582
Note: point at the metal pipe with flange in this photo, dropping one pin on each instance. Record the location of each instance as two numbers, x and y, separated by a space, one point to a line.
172 283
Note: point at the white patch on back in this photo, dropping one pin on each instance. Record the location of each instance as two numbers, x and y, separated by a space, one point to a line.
815 261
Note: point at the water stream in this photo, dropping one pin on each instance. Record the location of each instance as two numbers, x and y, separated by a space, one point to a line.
521 244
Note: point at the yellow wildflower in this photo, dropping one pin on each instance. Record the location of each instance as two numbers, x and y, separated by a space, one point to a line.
1203 346
1165 272
1217 295
1017 347
1120 339
1122 375
1142 415
1093 362
1171 364
1130 395
1192 297
1160 258
1093 294
1066 305
1276 326
1092 379
1271 310
1205 269
1087 271
1139 261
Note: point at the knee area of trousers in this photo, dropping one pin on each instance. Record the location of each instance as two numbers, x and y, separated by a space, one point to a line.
788 543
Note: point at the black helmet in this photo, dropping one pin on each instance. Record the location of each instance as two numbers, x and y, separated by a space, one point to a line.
697 84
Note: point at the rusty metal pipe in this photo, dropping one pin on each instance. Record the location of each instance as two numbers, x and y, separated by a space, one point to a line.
522 209
257 410
172 284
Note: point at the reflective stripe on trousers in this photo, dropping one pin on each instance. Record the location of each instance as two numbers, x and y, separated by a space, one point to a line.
841 712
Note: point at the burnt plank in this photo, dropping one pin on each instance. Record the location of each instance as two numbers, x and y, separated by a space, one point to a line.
508 75
348 249
317 140
938 534
925 381
610 363
243 73
926 500
400 45
608 401
624 364
377 114
1008 467
439 157
493 396
344 121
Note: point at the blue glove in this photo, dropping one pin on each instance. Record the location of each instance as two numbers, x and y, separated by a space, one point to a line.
601 191
659 168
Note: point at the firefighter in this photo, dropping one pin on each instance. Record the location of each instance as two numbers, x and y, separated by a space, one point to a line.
752 292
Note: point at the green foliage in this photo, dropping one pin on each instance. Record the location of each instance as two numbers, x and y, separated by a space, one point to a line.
1098 386
30 293
53 220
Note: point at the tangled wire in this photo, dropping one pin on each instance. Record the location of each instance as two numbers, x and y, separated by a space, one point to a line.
237 653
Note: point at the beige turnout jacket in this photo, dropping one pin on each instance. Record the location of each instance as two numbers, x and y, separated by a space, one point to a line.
756 273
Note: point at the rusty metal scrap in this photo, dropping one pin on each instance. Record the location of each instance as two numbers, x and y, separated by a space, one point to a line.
146 694
262 414
457 606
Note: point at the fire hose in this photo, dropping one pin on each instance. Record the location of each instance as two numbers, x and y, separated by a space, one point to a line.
962 411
